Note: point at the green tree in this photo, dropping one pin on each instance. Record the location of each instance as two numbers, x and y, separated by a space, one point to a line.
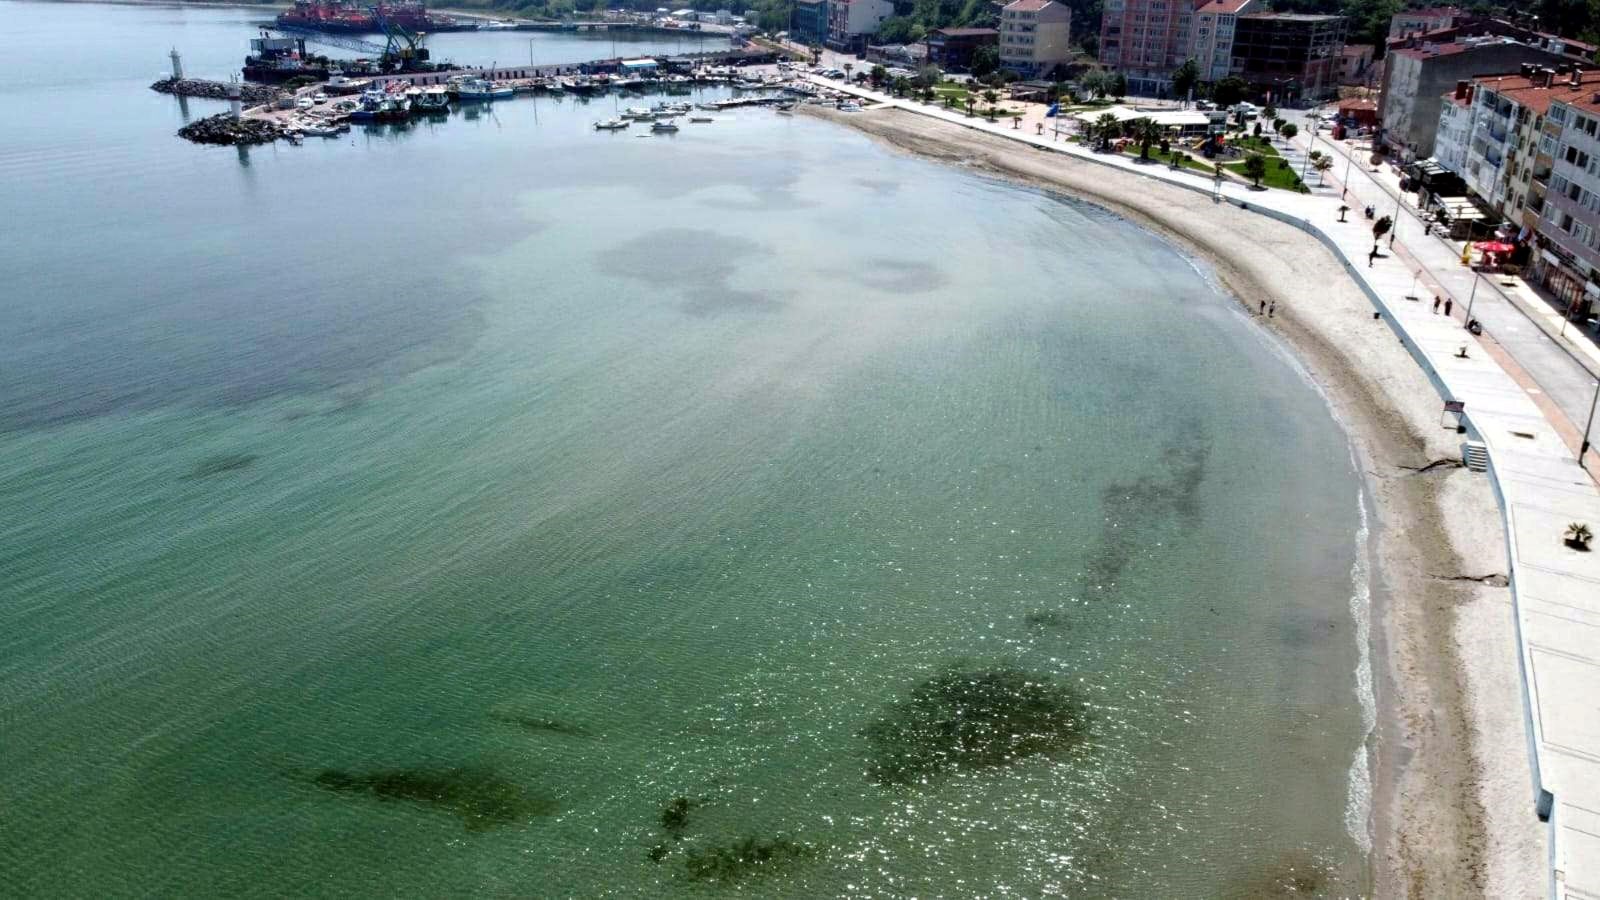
1094 84
1104 130
1269 112
985 60
1184 78
878 75
1229 91
1255 168
1289 130
1119 86
901 86
1322 165
929 76
1146 132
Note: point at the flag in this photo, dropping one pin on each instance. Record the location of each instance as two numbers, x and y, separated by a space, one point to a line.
1051 112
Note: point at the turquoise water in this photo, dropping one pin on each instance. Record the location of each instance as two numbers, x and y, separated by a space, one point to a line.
425 512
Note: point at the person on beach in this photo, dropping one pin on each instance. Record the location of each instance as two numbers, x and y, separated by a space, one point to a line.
1436 301
1447 305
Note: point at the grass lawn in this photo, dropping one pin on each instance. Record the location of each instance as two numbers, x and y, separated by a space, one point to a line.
1155 154
1258 145
1276 177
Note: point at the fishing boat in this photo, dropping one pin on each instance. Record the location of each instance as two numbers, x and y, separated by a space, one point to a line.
472 90
431 101
612 125
663 126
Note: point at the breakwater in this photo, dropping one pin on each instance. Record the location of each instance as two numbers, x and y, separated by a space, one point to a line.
224 129
216 90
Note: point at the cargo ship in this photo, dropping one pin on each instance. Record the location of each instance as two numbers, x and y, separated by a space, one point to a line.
341 17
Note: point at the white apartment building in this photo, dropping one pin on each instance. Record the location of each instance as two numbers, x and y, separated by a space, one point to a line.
1212 36
1035 36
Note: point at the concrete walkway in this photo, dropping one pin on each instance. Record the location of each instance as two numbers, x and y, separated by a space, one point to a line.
1537 478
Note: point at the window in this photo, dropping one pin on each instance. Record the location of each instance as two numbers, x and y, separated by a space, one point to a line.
1566 222
1558 114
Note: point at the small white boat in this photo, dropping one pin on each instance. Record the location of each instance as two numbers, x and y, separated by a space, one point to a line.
664 125
612 125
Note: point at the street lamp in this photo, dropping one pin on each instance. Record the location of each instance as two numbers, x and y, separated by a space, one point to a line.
1584 448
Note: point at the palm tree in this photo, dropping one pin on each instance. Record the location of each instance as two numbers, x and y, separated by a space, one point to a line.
847 67
1105 129
1146 132
970 104
990 97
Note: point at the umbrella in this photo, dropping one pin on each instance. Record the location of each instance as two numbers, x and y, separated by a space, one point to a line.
1494 247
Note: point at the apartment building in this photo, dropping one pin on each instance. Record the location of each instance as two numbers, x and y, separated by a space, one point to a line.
1568 259
1421 21
1288 56
852 22
1145 40
1418 74
1211 43
1035 37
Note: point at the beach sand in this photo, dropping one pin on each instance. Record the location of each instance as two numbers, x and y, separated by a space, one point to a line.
1452 799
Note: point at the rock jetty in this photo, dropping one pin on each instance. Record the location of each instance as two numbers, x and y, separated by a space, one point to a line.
216 90
225 129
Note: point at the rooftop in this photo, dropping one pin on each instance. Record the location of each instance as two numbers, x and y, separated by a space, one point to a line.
1028 5
1223 6
964 32
1291 17
1432 12
1534 95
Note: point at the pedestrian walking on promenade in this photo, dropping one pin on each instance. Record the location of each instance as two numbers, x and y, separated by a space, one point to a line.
1447 305
1263 310
1436 301
1272 309
1372 255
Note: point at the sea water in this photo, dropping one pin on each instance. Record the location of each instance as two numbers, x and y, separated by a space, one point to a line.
497 506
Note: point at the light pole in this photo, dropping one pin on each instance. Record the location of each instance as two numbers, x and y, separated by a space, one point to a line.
1476 277
1394 230
1584 448
1306 163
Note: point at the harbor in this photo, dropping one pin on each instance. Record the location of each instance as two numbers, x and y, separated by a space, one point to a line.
306 106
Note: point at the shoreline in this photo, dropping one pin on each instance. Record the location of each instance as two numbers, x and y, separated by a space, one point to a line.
1443 764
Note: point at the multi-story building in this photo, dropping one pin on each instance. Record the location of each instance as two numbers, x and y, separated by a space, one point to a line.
1145 40
1418 73
1454 134
1289 55
1211 36
951 49
1421 21
808 22
1035 37
1568 259
1356 64
852 22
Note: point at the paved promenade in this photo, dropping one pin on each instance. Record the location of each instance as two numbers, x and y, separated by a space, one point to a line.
1526 422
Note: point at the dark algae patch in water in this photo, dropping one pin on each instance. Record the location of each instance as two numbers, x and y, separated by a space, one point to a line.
967 717
1137 513
218 465
482 798
744 859
540 723
675 816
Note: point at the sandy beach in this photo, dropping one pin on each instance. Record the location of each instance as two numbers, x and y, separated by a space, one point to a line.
1451 812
